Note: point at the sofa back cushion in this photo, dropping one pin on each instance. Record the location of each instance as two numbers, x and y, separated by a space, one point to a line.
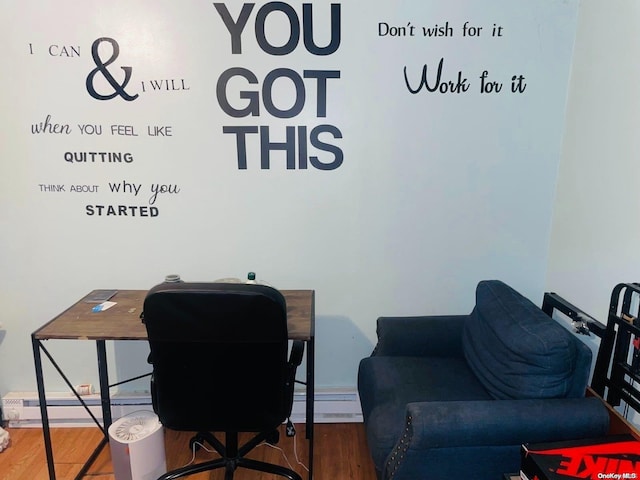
517 351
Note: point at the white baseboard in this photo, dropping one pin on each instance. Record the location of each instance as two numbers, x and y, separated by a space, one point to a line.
22 409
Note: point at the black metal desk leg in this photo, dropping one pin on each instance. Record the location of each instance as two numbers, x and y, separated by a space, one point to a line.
37 358
103 377
310 400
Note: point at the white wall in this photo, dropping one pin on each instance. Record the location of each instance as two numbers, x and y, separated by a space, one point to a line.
594 237
434 192
594 241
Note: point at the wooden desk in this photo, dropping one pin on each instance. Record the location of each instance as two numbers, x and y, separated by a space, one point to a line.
122 322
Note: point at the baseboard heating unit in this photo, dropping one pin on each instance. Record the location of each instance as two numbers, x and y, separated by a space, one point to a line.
22 409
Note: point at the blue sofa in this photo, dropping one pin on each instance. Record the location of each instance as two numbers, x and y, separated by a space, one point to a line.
456 396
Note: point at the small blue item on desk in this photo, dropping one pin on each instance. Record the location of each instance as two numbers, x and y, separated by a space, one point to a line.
103 306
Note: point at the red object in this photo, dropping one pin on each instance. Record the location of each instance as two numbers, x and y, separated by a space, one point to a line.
608 458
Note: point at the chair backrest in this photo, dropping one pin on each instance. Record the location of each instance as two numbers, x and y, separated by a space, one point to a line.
219 355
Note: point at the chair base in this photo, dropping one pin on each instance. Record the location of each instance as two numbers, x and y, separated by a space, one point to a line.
232 457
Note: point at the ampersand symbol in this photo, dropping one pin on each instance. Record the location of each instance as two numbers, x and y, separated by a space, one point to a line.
102 68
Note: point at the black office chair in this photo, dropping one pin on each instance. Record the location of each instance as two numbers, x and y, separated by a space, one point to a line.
219 356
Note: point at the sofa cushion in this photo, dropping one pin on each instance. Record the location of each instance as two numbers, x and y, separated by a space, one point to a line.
387 384
517 351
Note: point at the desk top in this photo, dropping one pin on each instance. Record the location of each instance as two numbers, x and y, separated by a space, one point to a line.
122 321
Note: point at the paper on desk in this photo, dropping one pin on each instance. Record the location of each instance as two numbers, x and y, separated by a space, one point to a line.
103 306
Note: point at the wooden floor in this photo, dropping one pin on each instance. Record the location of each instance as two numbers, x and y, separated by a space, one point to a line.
340 453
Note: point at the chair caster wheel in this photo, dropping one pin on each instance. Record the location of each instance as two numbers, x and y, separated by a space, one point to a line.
195 443
273 437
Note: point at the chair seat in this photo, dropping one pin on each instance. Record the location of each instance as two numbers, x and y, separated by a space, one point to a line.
412 379
396 381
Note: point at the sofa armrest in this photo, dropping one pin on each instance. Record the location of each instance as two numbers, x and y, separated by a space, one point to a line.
505 422
436 335
492 424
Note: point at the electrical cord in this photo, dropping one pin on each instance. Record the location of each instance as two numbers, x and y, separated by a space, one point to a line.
284 455
194 448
